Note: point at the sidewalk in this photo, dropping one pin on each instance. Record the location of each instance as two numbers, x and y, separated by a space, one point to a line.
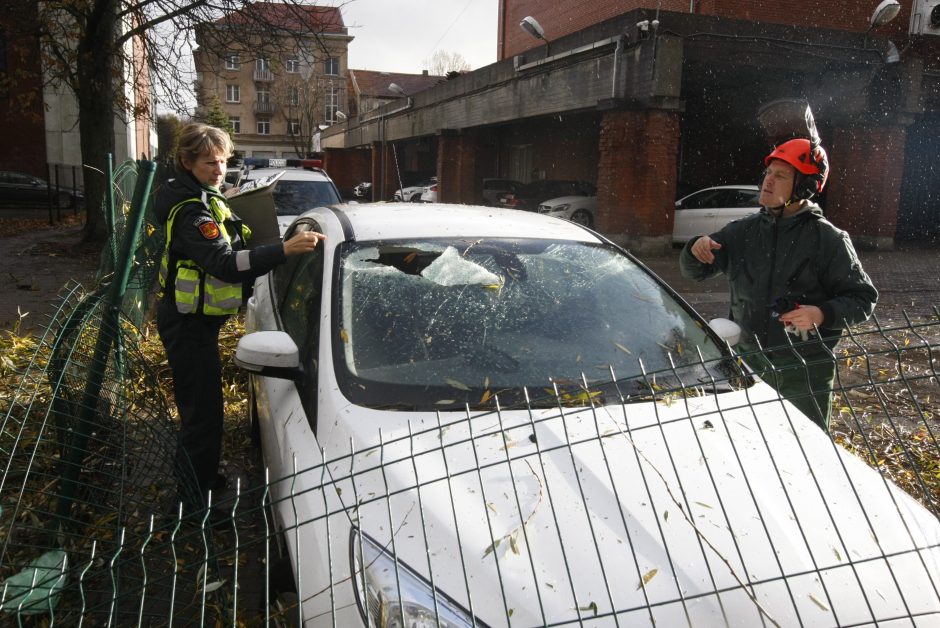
907 279
37 265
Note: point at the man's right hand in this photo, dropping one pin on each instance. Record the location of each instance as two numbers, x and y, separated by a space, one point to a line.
702 249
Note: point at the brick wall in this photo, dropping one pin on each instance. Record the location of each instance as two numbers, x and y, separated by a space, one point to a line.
636 182
864 186
347 167
22 124
456 168
562 17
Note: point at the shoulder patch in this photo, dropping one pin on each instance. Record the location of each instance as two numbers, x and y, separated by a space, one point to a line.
209 230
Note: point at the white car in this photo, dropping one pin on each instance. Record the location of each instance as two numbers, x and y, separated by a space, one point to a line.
579 209
412 193
476 416
706 211
299 189
429 194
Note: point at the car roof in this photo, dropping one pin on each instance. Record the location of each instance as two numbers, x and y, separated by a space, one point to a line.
378 221
290 174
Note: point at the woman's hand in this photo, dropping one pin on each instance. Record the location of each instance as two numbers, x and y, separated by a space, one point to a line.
303 242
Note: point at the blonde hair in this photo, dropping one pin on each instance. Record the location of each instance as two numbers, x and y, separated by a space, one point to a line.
197 138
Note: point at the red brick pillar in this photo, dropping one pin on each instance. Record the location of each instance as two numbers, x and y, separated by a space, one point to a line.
456 167
636 179
864 190
382 192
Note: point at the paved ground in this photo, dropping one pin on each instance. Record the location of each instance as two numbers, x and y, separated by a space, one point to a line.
37 264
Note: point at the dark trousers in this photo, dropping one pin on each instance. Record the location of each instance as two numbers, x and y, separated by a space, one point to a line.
192 349
805 382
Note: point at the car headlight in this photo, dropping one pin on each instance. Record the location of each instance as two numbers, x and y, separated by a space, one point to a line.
395 595
558 209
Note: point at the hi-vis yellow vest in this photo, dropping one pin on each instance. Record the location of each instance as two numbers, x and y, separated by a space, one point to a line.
195 290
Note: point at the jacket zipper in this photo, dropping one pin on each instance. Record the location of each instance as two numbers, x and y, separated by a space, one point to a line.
770 281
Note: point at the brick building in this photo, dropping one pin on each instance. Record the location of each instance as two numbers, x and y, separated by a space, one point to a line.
39 121
650 99
277 89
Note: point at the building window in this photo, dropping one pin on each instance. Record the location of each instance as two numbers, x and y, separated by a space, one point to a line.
292 65
261 64
233 93
264 127
331 94
293 96
264 97
231 62
236 124
331 66
293 127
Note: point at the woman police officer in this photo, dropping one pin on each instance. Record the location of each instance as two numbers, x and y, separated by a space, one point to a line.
205 271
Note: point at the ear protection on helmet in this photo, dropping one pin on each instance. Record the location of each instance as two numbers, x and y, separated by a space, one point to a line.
811 163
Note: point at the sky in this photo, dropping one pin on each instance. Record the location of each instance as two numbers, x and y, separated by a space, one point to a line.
400 35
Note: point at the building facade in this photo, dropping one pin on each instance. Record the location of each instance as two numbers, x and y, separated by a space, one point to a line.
278 90
653 99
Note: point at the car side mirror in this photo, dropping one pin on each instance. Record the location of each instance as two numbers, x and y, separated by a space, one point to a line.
269 354
728 330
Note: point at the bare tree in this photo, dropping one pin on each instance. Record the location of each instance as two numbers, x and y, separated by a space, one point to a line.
91 46
442 62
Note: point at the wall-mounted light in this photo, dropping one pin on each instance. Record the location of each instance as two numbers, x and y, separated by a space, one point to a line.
395 87
530 25
340 115
886 11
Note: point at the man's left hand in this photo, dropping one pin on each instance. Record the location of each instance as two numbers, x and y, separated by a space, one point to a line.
803 317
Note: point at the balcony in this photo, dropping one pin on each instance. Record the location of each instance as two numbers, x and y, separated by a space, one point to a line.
264 76
264 106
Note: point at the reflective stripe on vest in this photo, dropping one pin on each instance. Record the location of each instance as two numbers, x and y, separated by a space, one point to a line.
195 290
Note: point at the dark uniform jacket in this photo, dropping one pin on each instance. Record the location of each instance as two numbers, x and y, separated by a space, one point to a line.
803 258
196 237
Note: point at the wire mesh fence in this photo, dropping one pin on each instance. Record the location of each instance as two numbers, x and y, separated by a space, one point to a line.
648 500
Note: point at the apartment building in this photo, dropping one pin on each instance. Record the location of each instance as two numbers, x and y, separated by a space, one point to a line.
279 87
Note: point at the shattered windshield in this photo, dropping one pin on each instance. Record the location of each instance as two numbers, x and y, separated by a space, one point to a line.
437 322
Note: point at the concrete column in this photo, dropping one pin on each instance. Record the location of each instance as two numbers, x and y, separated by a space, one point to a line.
636 179
456 167
864 188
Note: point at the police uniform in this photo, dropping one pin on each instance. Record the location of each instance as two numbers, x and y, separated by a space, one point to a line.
205 273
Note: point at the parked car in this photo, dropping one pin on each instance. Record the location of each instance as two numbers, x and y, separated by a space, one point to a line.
21 189
579 209
473 416
363 189
531 195
299 189
708 210
429 194
412 193
494 188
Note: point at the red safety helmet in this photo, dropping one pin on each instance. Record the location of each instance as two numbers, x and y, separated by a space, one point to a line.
812 164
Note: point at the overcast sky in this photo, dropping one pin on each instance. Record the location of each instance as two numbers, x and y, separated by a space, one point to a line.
400 35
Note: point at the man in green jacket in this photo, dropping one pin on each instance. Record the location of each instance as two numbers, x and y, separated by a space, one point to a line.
789 270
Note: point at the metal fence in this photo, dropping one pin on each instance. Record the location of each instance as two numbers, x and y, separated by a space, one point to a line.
630 502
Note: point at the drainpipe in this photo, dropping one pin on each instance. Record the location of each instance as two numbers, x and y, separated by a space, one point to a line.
617 51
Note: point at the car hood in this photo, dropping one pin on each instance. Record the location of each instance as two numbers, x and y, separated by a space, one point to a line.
558 514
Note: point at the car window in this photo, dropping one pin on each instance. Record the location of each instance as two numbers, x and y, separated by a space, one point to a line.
427 324
295 197
744 198
706 199
298 286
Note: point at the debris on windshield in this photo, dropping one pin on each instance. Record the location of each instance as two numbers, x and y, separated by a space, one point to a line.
450 269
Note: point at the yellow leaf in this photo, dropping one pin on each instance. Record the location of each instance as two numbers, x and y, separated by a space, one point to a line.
818 602
456 384
486 396
622 348
343 335
649 575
